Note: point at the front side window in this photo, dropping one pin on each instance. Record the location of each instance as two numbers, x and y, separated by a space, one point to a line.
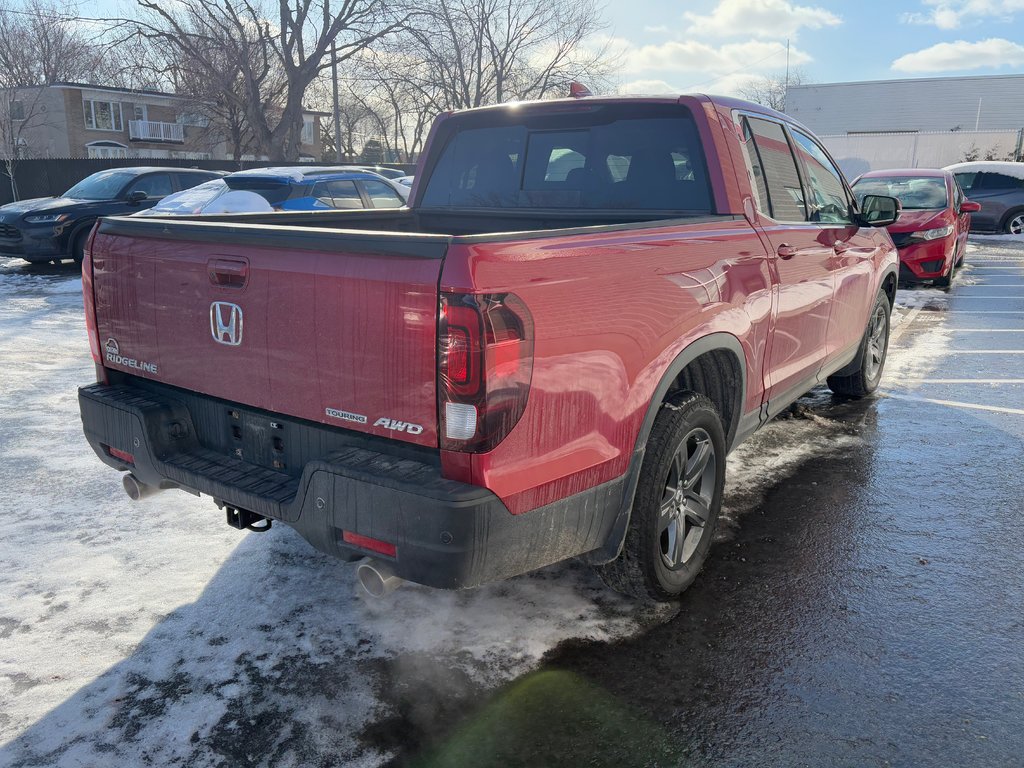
966 180
154 185
829 203
781 178
611 158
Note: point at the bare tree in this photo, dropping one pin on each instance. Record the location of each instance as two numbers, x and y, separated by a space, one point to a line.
38 46
469 53
476 52
770 90
267 42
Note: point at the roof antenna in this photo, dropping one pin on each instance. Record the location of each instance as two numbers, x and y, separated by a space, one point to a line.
578 90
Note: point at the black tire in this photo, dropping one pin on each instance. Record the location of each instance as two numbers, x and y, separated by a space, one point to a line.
1014 220
681 482
946 281
861 377
78 246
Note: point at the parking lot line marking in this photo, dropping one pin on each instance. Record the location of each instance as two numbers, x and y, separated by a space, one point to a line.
985 351
904 324
956 404
964 381
986 330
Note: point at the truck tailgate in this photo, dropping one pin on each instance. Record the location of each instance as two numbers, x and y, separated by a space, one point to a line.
332 326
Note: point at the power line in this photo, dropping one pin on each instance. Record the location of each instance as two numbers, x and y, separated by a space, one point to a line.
771 55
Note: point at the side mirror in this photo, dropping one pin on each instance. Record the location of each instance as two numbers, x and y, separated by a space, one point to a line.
137 196
879 210
969 206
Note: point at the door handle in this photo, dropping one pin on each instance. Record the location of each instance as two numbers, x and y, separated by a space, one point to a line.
228 273
786 251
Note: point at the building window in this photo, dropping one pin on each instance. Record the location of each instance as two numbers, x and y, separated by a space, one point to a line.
106 149
17 110
194 118
307 130
140 112
102 115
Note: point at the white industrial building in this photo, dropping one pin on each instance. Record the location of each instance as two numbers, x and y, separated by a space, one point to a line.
919 123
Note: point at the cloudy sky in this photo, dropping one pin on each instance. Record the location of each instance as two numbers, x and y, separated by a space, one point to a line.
713 45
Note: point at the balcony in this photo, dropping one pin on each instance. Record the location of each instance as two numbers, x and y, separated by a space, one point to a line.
147 130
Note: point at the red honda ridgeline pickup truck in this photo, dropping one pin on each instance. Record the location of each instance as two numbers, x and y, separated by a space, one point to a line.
549 354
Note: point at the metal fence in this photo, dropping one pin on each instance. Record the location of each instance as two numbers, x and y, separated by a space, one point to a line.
54 176
857 153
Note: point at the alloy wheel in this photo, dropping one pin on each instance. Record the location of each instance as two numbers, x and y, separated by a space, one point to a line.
687 499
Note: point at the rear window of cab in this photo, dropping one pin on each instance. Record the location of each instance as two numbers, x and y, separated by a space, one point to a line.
640 157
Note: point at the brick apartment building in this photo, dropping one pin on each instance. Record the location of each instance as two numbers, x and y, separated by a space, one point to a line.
78 120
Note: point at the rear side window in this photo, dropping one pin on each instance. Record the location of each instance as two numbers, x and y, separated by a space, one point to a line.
337 194
829 203
1000 182
382 195
643 157
778 166
189 180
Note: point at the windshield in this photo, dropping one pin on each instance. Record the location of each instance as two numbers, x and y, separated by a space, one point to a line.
105 185
192 200
914 193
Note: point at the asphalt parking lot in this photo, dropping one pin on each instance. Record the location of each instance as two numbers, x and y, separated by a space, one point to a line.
864 605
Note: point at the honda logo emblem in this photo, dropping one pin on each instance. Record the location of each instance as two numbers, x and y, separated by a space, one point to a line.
226 323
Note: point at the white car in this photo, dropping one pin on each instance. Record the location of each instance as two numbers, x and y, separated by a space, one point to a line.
209 197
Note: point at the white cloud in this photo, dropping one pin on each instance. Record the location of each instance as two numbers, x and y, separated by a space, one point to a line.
660 29
694 58
760 18
962 55
648 88
951 14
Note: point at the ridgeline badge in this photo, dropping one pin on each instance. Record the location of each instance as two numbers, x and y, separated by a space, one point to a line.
113 355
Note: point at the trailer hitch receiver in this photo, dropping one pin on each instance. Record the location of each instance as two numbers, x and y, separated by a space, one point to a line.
244 520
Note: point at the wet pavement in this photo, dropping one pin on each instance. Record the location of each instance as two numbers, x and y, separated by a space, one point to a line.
869 612
864 605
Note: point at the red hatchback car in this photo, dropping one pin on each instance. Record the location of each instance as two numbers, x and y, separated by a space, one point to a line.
931 232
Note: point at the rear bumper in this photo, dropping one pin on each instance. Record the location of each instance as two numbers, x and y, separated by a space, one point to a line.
446 534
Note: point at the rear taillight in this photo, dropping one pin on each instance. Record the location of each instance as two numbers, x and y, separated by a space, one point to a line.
485 363
90 304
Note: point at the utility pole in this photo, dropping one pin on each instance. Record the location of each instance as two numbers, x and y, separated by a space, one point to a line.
337 106
787 62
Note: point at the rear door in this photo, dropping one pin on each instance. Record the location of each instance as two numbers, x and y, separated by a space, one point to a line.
801 262
326 325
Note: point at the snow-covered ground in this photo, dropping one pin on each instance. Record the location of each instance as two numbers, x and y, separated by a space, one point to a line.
152 634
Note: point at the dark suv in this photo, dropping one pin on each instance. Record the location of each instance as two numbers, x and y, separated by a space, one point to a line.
55 228
999 187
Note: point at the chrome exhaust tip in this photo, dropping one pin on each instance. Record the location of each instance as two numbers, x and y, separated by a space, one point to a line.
377 578
136 489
